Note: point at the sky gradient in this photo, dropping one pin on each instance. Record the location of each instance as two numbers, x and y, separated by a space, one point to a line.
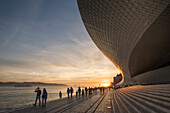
46 41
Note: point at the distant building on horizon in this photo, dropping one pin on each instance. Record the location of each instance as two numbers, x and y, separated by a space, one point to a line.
134 35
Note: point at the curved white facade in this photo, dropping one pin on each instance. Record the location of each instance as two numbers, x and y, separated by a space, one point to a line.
133 34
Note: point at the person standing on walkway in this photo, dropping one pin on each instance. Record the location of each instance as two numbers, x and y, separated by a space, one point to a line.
82 92
71 91
68 91
76 93
89 91
44 96
103 90
100 90
60 94
95 89
86 90
38 96
79 90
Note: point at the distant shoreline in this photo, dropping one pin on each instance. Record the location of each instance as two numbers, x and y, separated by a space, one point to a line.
30 84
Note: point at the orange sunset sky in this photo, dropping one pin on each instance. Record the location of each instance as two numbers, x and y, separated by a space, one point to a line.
42 41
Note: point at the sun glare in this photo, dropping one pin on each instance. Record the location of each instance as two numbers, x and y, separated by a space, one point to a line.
105 85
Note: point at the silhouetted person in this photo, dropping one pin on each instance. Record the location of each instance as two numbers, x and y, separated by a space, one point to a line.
100 90
76 93
38 96
79 90
82 92
68 91
71 91
95 89
86 90
60 94
89 90
44 96
103 90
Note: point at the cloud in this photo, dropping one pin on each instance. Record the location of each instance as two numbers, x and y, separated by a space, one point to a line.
52 46
59 62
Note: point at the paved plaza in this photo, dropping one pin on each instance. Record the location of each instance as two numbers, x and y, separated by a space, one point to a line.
133 99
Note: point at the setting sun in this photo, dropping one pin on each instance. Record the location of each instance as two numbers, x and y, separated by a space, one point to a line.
105 85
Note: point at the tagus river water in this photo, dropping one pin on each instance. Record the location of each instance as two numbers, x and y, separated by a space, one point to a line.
12 98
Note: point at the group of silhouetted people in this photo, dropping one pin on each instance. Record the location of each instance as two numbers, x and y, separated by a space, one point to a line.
84 91
38 97
69 93
102 89
80 91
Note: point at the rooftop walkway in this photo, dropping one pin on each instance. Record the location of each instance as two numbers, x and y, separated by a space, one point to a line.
134 99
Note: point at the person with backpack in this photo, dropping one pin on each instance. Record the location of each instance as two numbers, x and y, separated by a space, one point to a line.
44 96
